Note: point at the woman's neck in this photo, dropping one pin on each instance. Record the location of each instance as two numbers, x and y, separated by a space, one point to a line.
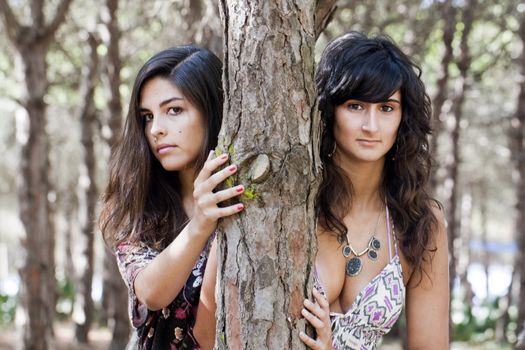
186 179
366 178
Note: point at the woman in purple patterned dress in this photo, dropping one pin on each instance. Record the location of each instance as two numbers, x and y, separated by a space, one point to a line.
160 207
382 244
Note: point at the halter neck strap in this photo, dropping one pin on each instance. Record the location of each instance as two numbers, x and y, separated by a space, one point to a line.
390 232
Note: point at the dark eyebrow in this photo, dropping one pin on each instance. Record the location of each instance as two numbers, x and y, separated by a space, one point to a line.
169 100
163 103
393 100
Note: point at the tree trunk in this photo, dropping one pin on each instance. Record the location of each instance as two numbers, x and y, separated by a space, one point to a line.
486 256
201 24
324 13
463 64
33 189
449 13
114 66
502 323
271 130
519 148
114 290
87 191
466 258
119 315
38 276
69 214
51 282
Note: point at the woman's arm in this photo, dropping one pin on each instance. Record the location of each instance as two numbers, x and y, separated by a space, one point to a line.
427 302
161 280
204 330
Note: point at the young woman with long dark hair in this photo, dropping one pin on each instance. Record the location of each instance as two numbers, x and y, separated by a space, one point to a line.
160 207
382 244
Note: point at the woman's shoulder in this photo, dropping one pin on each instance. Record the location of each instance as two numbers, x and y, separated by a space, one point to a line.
136 253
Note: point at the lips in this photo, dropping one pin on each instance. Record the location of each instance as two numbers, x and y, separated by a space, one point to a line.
165 148
368 142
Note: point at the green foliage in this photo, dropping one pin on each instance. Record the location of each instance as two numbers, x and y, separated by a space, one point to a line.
8 305
476 325
65 298
250 192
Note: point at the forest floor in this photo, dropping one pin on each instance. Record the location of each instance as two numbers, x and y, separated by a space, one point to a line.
100 339
64 339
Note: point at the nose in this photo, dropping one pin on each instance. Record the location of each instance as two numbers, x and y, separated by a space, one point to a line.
157 127
370 121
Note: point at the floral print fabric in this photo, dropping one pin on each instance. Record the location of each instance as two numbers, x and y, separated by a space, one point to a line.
172 327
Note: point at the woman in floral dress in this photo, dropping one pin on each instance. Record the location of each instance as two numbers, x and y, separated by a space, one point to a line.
160 207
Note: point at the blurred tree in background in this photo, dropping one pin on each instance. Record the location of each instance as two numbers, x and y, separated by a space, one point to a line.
66 69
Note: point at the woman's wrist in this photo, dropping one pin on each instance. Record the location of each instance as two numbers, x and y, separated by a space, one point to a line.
198 229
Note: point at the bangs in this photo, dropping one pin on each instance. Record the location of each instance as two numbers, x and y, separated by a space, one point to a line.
372 81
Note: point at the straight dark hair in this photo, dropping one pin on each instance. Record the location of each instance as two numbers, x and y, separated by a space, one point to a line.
142 201
354 66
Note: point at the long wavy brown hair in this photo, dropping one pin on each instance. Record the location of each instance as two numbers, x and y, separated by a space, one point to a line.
142 201
354 66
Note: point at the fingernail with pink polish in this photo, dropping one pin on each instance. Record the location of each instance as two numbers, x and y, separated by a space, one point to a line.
240 189
232 168
240 207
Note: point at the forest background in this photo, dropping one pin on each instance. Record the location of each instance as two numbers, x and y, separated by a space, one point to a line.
87 54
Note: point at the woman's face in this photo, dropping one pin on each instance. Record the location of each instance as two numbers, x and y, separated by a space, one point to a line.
174 127
364 131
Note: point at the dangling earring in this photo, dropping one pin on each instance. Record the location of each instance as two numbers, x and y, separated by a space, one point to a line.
333 150
395 153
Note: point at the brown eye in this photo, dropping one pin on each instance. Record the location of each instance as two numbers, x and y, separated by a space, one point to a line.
147 117
355 107
174 110
386 108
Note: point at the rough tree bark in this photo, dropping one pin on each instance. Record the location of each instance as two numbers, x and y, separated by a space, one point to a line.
518 133
271 130
114 290
38 281
324 13
449 16
87 191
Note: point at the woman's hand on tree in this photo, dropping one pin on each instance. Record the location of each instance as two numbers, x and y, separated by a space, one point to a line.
206 211
318 315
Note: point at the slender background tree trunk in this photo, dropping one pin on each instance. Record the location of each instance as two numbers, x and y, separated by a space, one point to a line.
449 15
115 297
463 63
87 190
34 208
38 274
519 149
